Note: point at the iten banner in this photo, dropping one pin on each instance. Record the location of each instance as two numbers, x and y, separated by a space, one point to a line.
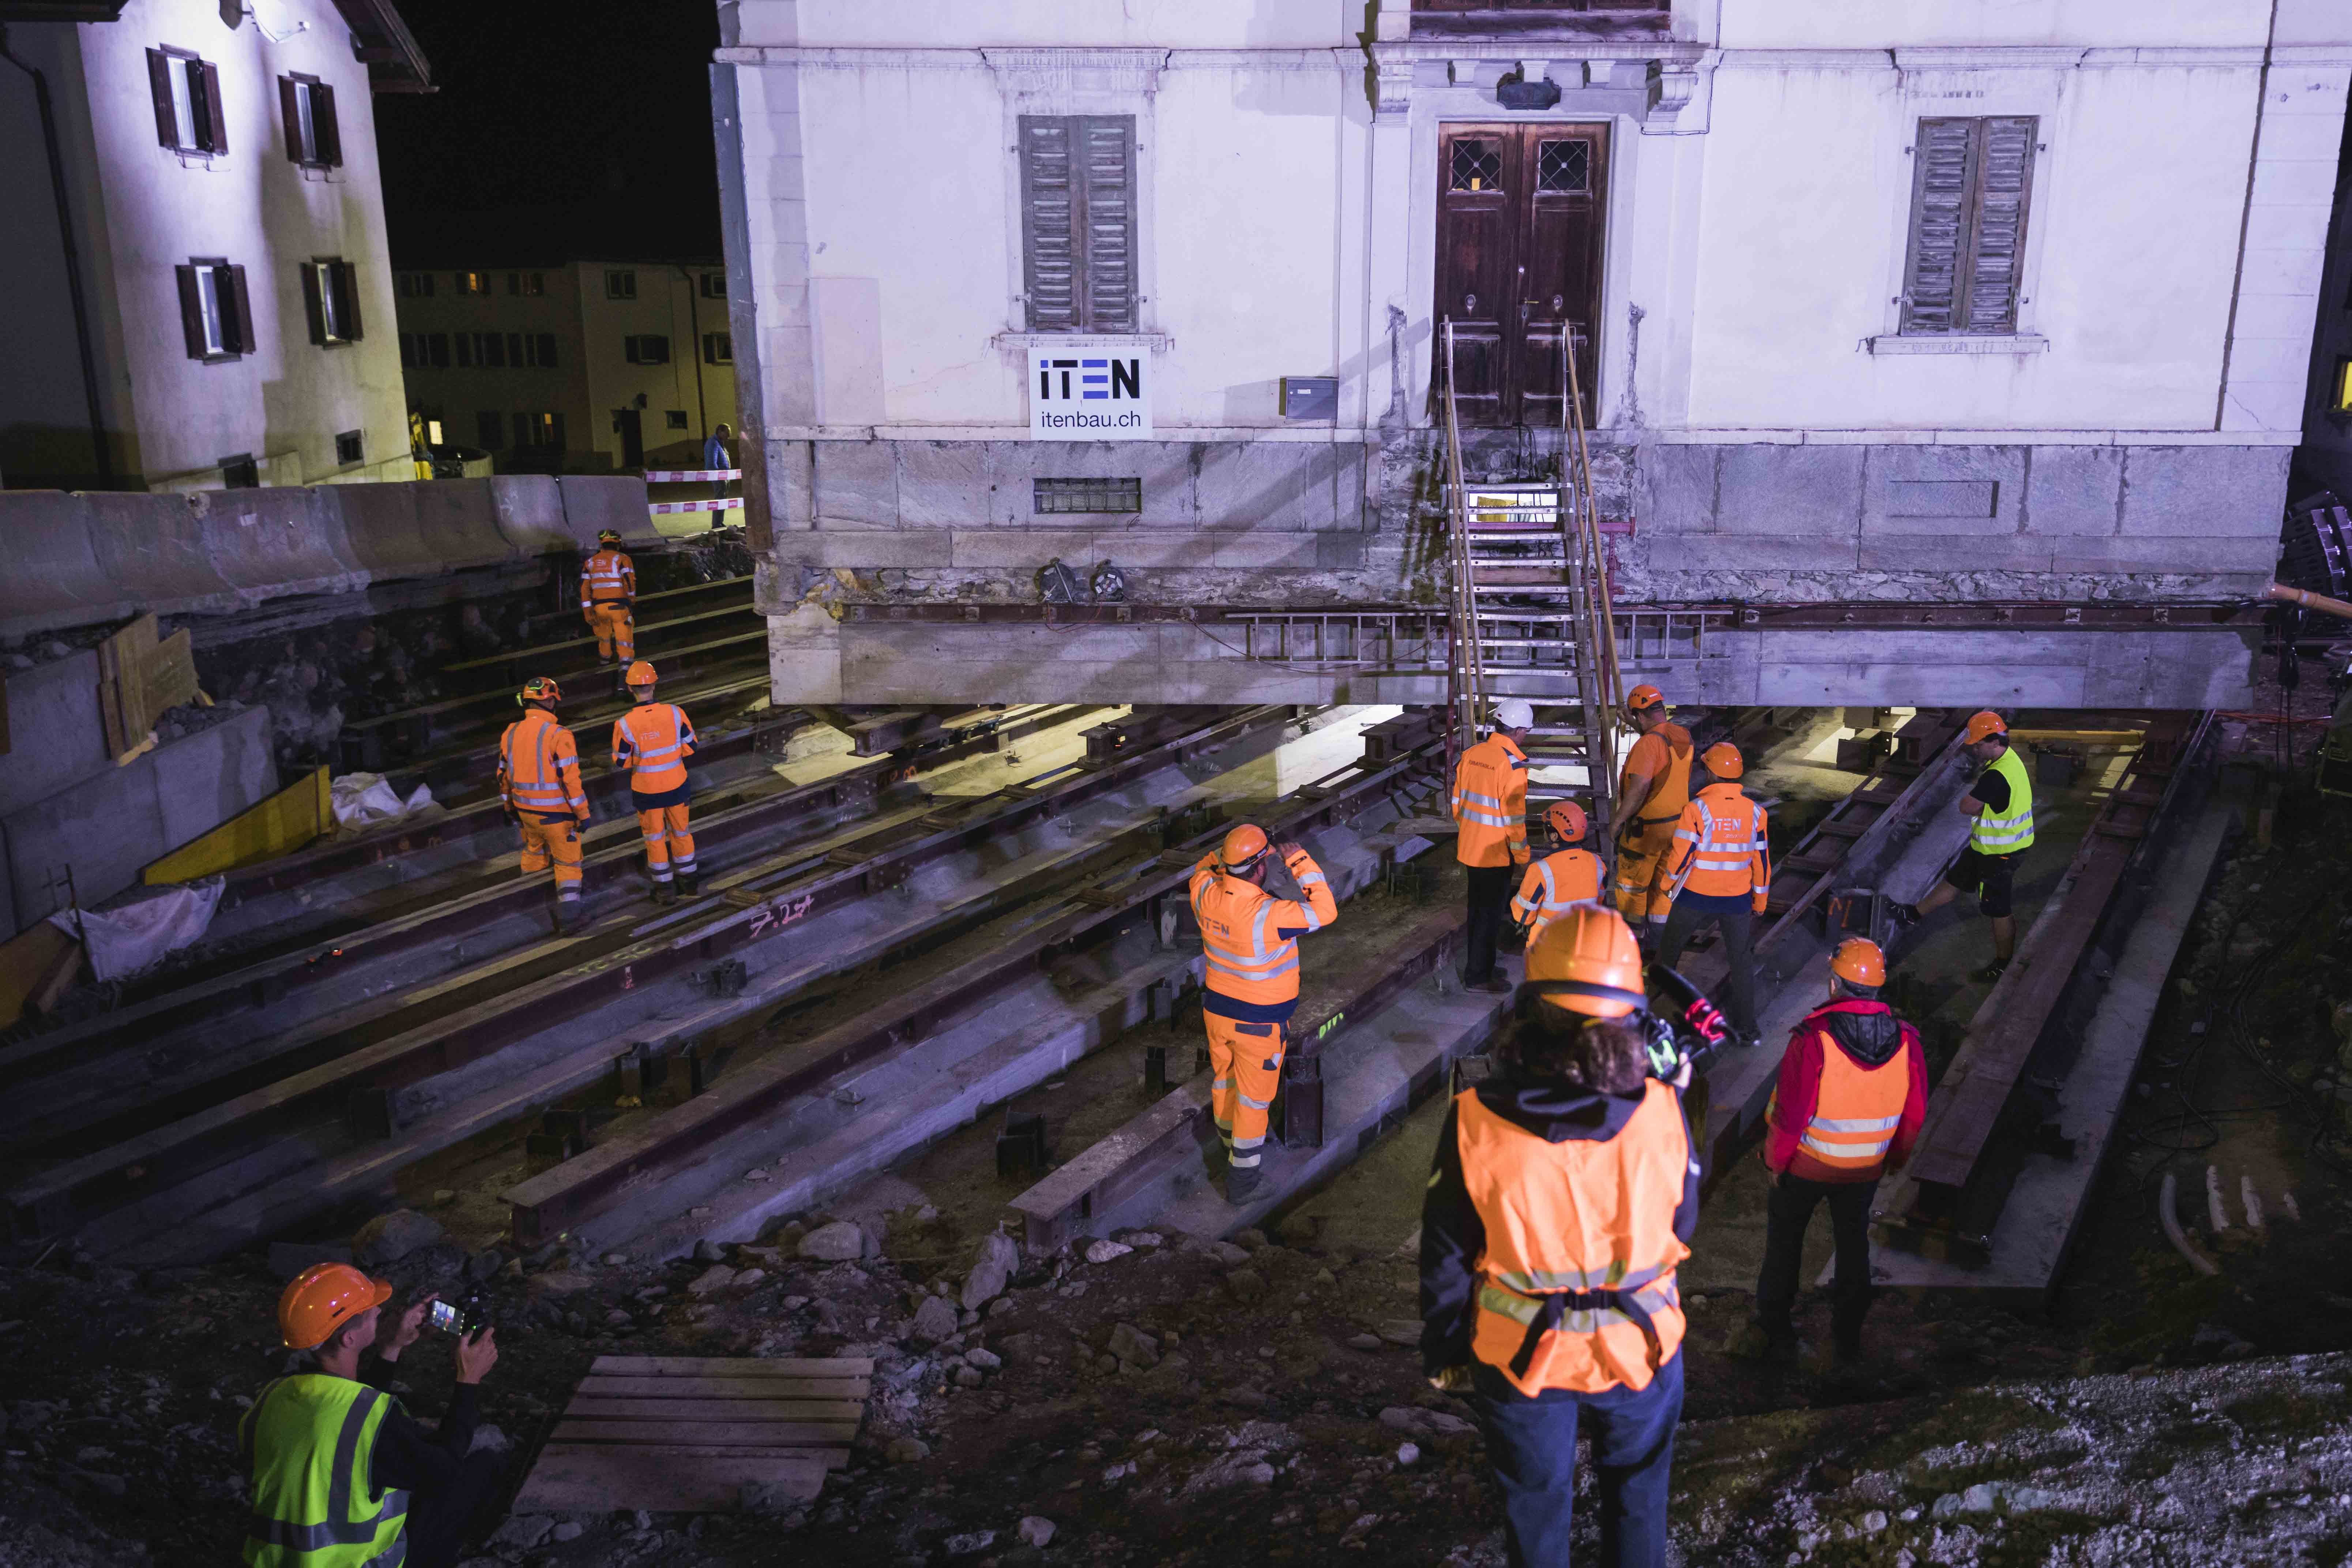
1090 394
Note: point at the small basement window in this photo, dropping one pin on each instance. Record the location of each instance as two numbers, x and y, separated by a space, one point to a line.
348 447
1060 497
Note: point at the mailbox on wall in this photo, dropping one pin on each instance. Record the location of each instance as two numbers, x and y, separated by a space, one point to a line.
1310 396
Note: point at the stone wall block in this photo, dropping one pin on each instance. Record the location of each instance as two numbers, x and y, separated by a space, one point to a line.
942 484
856 482
1798 553
1674 487
1790 491
1954 552
2213 491
2074 489
1283 485
1910 490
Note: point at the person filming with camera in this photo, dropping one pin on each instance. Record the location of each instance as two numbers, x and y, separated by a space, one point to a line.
343 1476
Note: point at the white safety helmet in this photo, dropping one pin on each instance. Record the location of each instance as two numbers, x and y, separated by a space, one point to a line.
1512 713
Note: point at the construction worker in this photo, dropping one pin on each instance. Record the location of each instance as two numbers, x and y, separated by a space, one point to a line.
1490 803
1563 1196
1721 871
1568 875
2001 800
1852 1094
608 597
1651 794
653 741
539 778
1251 941
343 1476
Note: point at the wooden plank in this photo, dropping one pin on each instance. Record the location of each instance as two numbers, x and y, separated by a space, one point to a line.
597 1408
726 1387
661 1483
731 1366
834 1458
781 1434
30 963
168 674
278 825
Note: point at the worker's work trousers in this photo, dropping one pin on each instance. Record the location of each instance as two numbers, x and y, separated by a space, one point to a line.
1532 1444
1490 904
1246 1068
1736 918
442 1520
1641 874
556 843
1788 1210
616 631
668 845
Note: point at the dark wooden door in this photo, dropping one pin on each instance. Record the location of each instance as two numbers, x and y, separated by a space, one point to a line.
629 425
1520 219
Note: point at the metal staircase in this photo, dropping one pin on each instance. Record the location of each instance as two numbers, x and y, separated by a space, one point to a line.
1530 607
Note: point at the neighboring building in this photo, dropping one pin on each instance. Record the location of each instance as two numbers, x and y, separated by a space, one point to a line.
2324 460
217 310
586 366
1936 302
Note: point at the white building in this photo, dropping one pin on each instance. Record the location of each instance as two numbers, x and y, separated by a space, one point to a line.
217 309
1922 300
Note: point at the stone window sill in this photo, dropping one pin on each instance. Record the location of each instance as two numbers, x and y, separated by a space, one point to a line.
1158 342
1958 343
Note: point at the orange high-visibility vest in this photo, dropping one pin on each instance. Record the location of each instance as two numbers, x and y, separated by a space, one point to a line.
1567 877
1858 1110
1720 844
1576 1283
1490 801
539 766
609 575
1664 755
652 740
1247 961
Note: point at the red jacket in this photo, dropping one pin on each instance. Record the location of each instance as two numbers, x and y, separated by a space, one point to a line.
1852 1026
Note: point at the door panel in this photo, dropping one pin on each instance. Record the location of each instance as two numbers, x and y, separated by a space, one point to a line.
1477 169
1563 225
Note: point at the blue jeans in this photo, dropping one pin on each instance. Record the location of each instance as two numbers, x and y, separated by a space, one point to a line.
1532 1443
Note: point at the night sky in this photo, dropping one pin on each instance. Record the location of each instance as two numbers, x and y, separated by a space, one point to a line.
578 130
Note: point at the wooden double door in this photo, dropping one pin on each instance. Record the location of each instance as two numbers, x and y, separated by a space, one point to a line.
1521 209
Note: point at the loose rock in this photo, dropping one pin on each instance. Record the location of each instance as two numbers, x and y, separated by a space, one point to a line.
1130 1343
1246 1286
716 1278
836 1243
935 1320
1036 1530
1000 1254
389 1238
1104 1251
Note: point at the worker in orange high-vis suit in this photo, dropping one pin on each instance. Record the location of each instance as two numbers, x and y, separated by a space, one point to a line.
539 778
1652 791
653 741
1568 875
608 597
1250 939
1559 1206
1721 871
1490 803
1852 1095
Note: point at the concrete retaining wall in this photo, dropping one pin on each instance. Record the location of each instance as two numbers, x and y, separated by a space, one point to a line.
57 738
79 559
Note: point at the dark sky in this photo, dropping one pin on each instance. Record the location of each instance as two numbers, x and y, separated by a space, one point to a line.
580 128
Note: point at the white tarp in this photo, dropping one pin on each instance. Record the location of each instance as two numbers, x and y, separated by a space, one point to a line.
367 800
126 941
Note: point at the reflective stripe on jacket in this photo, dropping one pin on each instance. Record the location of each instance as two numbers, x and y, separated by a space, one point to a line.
1251 961
1721 849
1858 1109
1558 880
1490 801
606 576
1575 1284
2012 830
311 1441
539 767
652 740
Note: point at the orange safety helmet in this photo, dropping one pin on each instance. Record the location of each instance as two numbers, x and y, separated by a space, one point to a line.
1986 722
540 689
1567 820
1243 847
322 1298
608 536
1859 960
641 673
1587 962
1641 699
1723 759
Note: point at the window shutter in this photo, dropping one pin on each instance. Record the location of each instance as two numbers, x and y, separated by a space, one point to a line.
159 83
323 127
2004 180
192 310
515 350
290 109
1049 210
313 305
547 351
1945 155
1109 144
347 300
214 125
241 317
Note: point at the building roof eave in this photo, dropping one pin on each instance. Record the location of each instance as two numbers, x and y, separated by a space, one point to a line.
383 42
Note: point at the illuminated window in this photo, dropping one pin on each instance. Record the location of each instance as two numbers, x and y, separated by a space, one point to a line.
2339 390
473 282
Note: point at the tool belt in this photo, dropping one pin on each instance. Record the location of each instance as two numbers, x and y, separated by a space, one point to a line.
1552 1306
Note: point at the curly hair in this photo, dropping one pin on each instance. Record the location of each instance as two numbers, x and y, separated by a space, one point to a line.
1607 1055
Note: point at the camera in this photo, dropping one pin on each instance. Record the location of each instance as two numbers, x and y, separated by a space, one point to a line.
459 1318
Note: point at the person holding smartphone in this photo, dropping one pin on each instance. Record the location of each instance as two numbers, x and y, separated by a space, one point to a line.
342 1473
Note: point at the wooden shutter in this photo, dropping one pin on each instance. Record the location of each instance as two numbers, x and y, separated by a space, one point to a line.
2003 184
240 318
1108 143
159 83
547 351
324 131
290 109
213 126
1077 222
192 310
313 305
347 301
1051 264
1969 198
1945 156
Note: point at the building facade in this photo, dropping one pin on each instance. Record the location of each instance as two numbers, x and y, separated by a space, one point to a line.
1923 302
583 367
213 306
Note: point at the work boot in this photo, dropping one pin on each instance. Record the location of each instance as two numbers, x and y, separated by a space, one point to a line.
690 883
1242 1184
1906 915
665 894
567 916
1747 1039
1494 986
1991 972
1754 1342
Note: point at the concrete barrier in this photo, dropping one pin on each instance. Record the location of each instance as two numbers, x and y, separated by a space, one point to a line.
51 576
381 521
458 520
55 736
152 548
529 511
278 540
592 502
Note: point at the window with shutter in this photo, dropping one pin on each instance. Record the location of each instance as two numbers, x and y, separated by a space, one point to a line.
187 98
546 350
214 121
1077 223
347 301
1970 192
